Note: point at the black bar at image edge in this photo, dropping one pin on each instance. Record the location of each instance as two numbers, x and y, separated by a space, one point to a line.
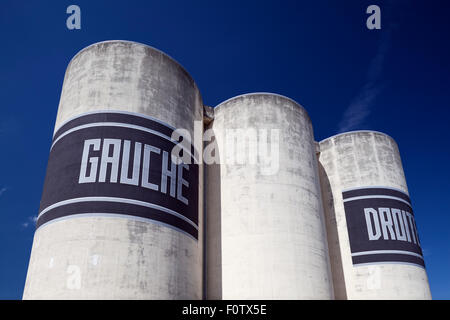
274 309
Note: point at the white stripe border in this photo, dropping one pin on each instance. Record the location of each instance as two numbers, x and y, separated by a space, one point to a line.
377 197
129 113
388 262
118 200
364 253
116 215
375 187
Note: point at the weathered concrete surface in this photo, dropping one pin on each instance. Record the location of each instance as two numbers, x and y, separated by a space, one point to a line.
118 258
265 233
357 159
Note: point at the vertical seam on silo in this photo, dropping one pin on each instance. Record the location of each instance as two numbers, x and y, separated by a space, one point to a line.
338 221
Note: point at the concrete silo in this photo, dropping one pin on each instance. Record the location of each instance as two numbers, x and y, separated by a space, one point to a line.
374 246
119 218
265 233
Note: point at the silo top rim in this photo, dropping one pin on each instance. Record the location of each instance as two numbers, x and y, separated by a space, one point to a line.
356 131
260 94
132 42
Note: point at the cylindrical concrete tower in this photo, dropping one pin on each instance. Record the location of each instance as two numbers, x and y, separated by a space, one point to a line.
374 247
265 227
120 216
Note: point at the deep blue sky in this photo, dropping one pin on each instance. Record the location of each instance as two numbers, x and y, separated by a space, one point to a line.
319 53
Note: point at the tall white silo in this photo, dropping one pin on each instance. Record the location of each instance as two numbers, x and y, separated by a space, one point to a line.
374 246
265 233
119 218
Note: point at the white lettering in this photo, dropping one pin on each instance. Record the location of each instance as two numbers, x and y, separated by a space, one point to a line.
386 223
370 212
136 163
92 160
107 159
146 170
168 173
181 183
155 166
398 224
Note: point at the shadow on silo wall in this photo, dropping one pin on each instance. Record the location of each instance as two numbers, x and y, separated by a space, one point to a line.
337 270
213 233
